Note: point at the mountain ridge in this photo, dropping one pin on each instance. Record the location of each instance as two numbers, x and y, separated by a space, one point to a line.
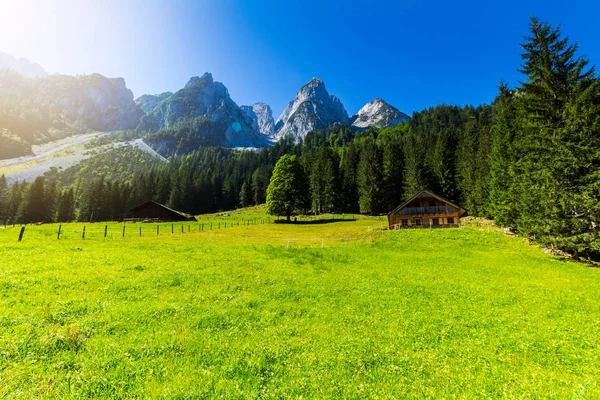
22 66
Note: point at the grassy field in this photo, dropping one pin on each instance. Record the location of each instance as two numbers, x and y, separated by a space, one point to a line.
342 311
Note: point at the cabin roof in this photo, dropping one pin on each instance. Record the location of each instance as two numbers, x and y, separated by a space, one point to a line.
440 198
160 205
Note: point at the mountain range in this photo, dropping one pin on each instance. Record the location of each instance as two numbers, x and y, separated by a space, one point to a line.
202 111
313 108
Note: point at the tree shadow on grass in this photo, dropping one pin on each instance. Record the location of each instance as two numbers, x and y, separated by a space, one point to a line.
312 222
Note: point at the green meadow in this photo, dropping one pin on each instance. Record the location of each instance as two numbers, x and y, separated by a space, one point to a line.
316 309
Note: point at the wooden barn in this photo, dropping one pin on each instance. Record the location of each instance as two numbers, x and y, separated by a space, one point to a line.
153 211
425 210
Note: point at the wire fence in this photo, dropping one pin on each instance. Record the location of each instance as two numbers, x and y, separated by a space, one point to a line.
204 230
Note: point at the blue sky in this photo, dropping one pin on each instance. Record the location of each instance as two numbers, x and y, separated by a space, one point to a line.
413 54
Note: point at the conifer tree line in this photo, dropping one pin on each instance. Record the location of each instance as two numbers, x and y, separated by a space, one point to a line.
530 161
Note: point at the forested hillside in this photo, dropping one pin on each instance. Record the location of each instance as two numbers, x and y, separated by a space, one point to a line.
530 160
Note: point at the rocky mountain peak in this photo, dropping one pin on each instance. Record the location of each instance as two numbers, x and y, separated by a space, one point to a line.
313 108
217 116
377 113
315 82
207 78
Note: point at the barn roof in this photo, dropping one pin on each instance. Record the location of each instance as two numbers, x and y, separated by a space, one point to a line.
160 205
440 198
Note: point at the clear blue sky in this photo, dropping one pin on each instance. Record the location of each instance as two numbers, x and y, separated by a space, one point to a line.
414 54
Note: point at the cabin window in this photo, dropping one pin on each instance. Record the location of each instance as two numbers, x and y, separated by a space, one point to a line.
418 222
404 222
431 203
436 221
450 220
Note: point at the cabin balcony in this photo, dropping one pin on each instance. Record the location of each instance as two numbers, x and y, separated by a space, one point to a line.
427 210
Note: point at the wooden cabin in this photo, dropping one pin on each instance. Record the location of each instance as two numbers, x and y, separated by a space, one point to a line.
425 210
153 211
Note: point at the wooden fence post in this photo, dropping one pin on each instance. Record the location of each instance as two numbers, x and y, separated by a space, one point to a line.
172 228
105 231
21 233
211 226
83 234
123 231
140 231
157 229
181 228
59 228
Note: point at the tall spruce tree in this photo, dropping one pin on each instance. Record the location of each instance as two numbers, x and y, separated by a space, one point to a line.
393 173
246 195
548 165
413 166
502 200
66 206
369 178
4 196
34 206
348 171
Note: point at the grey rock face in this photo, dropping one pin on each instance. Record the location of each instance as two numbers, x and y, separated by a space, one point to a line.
209 101
103 104
377 113
313 108
23 66
148 102
262 115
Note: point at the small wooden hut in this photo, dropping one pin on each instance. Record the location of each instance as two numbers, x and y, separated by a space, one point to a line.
153 211
426 210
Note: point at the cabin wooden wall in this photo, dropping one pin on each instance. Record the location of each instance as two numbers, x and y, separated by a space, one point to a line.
394 219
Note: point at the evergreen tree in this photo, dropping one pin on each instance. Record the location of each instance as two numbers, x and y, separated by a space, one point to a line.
393 173
348 171
323 176
15 201
369 179
245 195
260 182
413 167
34 206
4 197
548 163
502 200
50 200
66 206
